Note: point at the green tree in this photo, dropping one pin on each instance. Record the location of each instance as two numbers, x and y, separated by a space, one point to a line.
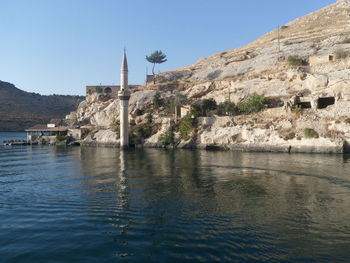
227 108
208 105
157 57
252 104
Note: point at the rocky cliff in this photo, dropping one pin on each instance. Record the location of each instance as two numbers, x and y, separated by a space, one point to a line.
20 110
303 64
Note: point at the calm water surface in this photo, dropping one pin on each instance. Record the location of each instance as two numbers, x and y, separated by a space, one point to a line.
61 204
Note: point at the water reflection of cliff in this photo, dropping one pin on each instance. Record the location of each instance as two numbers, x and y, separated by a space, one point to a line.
296 199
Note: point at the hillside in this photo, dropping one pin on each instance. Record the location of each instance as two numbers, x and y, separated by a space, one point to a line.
301 70
262 65
20 109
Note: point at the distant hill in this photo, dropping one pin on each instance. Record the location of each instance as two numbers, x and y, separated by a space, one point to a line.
20 110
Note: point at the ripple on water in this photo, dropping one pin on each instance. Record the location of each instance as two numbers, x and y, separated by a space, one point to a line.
87 204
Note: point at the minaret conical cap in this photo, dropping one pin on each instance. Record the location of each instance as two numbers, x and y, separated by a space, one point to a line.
124 66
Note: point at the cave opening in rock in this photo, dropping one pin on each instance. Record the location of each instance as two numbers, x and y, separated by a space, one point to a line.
304 105
325 102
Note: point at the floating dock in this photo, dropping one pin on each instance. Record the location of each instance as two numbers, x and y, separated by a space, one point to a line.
15 142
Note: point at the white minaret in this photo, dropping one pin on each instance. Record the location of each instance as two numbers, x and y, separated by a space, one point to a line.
124 97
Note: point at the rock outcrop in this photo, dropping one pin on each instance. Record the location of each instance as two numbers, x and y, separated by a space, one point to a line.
306 61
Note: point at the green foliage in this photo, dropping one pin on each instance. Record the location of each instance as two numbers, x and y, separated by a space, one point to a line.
310 133
174 102
252 104
186 127
139 132
149 118
290 136
298 110
170 105
195 111
227 108
98 90
203 107
180 99
157 57
296 61
157 101
347 120
166 138
208 105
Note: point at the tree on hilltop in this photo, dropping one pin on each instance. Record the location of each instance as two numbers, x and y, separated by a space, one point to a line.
157 57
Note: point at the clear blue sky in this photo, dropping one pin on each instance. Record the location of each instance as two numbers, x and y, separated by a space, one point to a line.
60 46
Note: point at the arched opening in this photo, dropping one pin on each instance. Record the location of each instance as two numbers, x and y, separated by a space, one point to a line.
108 90
323 103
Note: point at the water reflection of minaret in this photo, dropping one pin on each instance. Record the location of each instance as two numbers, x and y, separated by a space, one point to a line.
123 182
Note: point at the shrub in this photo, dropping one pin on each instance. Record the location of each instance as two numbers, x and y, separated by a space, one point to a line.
170 105
207 105
139 132
227 108
157 101
347 120
186 126
166 138
252 104
296 61
290 136
298 110
203 107
149 118
195 110
310 133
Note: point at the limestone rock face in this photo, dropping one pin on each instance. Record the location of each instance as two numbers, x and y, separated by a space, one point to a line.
106 137
344 3
321 39
262 66
153 140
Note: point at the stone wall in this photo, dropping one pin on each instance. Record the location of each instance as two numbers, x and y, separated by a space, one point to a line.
321 59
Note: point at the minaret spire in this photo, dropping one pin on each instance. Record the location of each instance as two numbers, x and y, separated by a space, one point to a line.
124 72
124 97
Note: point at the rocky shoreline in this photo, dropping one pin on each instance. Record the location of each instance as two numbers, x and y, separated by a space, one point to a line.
299 74
332 149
